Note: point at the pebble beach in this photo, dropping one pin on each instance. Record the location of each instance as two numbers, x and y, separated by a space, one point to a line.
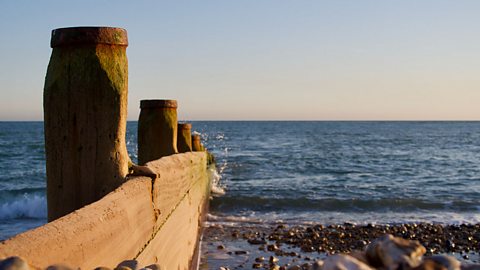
266 247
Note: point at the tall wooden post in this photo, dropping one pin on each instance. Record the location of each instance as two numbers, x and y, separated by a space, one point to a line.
85 111
197 143
157 129
184 138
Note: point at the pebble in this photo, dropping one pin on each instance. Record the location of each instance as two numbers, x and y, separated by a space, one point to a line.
273 259
121 267
257 265
259 259
58 267
257 241
14 263
394 252
272 247
132 264
317 265
429 265
449 262
235 234
154 266
471 267
343 261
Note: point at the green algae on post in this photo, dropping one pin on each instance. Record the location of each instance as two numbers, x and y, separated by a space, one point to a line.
184 138
157 129
197 144
85 110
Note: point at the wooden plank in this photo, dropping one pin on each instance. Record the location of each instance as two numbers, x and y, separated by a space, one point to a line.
152 223
104 233
177 175
174 245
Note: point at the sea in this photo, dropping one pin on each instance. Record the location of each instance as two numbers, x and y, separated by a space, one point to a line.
293 172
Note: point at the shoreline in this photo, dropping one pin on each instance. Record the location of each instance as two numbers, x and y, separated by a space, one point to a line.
249 246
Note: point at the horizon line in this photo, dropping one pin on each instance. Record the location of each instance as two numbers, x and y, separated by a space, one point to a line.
295 120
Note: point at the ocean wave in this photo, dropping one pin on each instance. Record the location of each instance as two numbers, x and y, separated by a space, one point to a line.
20 191
234 203
252 218
233 219
25 206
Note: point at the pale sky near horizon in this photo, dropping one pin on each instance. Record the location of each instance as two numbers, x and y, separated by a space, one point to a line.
265 59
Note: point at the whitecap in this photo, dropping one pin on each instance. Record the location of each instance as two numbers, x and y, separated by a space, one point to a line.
26 206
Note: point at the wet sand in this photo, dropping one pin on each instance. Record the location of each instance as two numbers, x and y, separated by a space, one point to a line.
247 247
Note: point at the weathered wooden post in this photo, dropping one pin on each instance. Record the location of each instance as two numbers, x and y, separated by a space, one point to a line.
85 111
157 129
184 138
197 146
197 143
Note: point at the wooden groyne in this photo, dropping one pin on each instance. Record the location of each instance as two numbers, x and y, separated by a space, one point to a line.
103 209
144 220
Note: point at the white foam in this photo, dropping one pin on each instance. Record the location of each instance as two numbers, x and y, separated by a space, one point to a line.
326 218
217 191
230 220
215 178
26 206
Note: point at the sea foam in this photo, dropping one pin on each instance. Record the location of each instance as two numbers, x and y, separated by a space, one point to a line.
215 178
25 206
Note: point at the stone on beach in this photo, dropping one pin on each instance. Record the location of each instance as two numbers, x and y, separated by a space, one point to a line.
344 262
259 259
449 262
273 259
59 267
430 265
394 252
317 265
122 267
132 264
153 267
14 263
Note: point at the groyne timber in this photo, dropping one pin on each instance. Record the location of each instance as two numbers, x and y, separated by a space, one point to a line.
149 221
103 209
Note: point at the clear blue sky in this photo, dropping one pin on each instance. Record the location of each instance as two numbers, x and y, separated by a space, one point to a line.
265 59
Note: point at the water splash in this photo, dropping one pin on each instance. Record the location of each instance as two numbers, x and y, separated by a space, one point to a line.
25 206
215 177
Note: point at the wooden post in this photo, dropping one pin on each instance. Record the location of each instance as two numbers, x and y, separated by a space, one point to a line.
184 138
85 113
197 144
157 129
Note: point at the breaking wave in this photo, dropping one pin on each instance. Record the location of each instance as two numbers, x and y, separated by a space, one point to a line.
24 206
